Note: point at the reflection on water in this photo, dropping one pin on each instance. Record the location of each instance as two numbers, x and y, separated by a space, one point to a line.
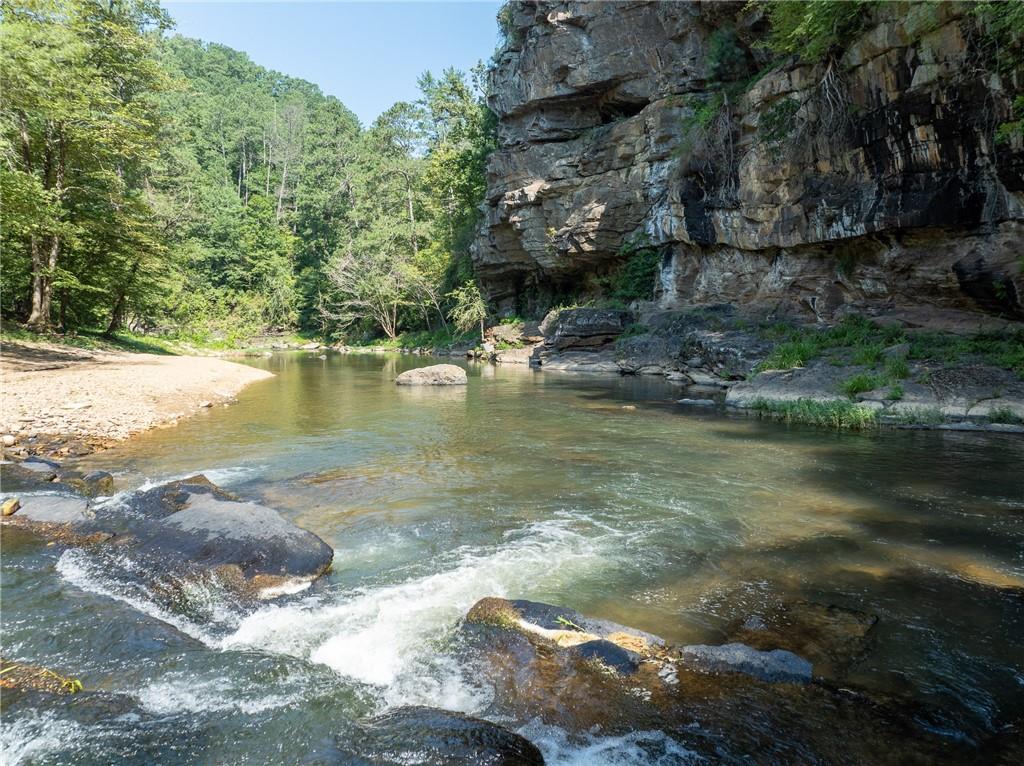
532 485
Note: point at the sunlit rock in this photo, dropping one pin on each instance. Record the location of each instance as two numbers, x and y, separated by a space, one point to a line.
434 375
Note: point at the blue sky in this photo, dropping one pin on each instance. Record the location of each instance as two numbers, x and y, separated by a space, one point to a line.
368 54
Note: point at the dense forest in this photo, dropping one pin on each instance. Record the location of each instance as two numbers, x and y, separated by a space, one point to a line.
159 184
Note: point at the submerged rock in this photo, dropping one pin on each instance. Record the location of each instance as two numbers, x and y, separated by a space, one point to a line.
20 677
773 665
431 737
434 375
830 636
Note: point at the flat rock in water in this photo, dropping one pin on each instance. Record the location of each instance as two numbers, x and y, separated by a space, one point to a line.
617 646
774 665
431 737
435 375
54 509
212 532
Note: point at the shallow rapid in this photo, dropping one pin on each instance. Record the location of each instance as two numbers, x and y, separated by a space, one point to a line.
596 493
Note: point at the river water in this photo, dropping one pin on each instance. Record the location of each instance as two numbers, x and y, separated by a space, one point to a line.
597 493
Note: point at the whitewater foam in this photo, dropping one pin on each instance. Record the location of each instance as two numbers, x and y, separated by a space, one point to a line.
389 636
638 748
180 693
25 739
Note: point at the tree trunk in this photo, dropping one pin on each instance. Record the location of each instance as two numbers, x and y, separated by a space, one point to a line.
43 266
412 220
280 191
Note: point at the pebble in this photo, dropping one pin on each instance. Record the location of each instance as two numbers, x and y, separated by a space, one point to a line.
8 440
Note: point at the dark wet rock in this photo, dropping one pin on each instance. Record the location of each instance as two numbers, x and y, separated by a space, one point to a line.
184 530
583 328
830 636
194 525
609 655
213 533
434 375
431 737
773 665
683 692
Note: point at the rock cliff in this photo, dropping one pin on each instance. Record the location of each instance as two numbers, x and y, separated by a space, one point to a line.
870 180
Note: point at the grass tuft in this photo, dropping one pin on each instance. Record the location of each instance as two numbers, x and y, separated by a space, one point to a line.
836 414
858 384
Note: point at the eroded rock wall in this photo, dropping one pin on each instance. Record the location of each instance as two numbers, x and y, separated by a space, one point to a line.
880 186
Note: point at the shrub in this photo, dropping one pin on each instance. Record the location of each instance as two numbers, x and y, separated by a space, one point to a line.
813 29
791 354
725 58
868 356
778 121
637 277
1004 415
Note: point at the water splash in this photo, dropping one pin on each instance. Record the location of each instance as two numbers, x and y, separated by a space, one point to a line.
27 738
638 748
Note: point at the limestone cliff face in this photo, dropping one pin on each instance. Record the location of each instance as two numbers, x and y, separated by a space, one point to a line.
866 181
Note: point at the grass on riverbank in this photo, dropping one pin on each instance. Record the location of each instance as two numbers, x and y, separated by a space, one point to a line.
836 414
858 341
92 340
95 340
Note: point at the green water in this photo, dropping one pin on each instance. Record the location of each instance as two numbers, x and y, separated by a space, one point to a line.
527 485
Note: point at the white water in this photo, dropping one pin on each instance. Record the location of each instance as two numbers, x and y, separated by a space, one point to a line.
386 636
27 738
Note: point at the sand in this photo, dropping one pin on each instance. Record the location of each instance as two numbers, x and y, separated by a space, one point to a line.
102 397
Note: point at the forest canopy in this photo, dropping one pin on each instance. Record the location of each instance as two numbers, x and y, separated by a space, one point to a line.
161 184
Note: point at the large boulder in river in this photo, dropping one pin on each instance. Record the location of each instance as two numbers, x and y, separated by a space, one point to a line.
198 525
435 375
184 530
552 666
431 737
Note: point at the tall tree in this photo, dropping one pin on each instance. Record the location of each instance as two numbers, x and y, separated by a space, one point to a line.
80 126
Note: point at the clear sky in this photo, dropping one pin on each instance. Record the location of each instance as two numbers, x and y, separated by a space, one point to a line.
368 54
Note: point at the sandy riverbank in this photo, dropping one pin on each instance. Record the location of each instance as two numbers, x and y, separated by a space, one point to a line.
90 399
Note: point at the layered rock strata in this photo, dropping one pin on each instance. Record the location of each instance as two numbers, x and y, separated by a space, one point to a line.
868 181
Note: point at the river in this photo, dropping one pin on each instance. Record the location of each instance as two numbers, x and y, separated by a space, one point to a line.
598 493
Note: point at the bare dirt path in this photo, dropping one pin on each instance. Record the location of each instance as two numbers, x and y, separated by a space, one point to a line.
96 397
